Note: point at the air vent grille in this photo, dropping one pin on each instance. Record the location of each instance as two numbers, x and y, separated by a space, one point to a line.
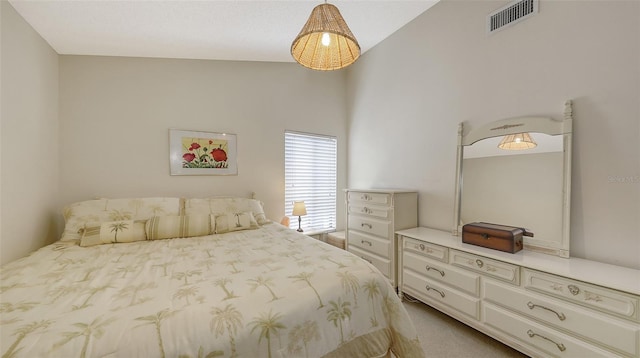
511 14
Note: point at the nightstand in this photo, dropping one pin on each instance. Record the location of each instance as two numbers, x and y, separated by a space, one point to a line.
317 234
337 239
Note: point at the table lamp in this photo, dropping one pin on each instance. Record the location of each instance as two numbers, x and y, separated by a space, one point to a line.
299 210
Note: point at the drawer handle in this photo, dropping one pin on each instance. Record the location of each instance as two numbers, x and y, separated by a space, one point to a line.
367 225
367 210
366 259
433 268
574 289
366 242
365 197
560 315
429 288
479 263
560 346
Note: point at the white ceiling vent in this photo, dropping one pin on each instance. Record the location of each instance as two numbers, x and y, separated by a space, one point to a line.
510 14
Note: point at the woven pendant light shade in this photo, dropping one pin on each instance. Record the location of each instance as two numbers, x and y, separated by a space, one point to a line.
338 49
517 141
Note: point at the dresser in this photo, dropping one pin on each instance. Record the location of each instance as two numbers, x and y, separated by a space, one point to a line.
541 305
373 217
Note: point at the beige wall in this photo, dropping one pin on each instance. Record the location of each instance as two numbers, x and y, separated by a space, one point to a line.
115 114
408 94
29 143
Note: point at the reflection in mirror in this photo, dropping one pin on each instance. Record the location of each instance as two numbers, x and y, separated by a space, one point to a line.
517 188
524 188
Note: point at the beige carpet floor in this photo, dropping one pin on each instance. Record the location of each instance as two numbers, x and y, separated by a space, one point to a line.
443 336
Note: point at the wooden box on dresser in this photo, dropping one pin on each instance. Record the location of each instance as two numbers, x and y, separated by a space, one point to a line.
373 217
541 305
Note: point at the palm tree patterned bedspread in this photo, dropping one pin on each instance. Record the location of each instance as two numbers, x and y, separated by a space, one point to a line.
270 292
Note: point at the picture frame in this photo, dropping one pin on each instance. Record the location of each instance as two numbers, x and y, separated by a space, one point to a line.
202 153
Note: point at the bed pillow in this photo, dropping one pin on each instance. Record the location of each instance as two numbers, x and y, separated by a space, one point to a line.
234 222
113 232
231 205
78 215
169 227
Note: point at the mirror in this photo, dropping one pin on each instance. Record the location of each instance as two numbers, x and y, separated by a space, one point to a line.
528 188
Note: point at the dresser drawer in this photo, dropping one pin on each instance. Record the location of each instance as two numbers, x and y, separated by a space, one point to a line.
369 225
371 210
427 290
546 339
606 300
462 280
488 267
370 243
371 198
380 263
432 251
610 332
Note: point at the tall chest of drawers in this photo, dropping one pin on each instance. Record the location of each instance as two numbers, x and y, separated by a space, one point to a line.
542 305
373 217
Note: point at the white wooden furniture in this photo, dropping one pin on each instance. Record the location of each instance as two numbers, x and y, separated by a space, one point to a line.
372 218
337 239
541 305
546 210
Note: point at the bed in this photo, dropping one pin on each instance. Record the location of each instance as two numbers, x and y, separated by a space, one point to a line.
174 284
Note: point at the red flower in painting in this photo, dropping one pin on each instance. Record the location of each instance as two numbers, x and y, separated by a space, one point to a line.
194 146
219 155
210 142
189 157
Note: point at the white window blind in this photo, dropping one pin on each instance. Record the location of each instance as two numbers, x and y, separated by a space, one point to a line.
310 167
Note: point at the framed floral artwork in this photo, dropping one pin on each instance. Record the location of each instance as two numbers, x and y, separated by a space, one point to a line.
202 153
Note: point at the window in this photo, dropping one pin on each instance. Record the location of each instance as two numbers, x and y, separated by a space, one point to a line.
310 175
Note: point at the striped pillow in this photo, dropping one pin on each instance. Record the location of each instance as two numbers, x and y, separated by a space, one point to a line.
113 232
169 227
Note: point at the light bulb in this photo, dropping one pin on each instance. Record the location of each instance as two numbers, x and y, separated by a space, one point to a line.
518 140
326 39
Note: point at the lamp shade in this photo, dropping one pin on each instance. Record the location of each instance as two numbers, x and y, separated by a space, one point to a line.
299 209
517 141
325 42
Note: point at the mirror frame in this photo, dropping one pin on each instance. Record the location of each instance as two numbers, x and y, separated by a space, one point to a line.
503 127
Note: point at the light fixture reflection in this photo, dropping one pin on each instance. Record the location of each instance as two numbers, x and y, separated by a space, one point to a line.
518 141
